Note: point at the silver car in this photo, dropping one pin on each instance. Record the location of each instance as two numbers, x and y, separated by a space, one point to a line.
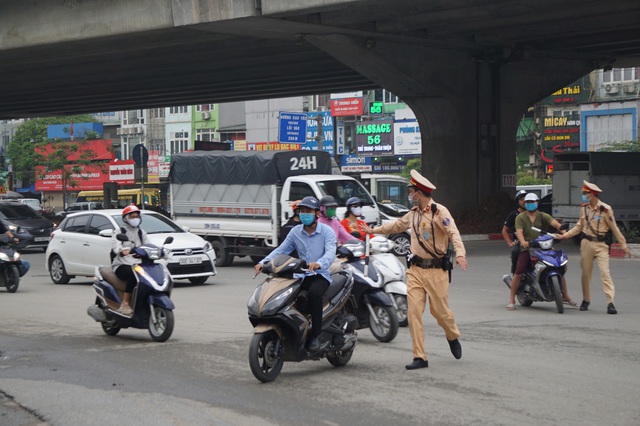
83 240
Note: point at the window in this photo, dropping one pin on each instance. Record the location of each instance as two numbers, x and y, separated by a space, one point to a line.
99 223
157 113
382 95
206 107
619 74
299 190
178 110
77 224
206 135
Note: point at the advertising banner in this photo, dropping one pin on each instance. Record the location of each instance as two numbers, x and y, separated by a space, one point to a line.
90 177
346 107
312 132
560 134
374 137
355 164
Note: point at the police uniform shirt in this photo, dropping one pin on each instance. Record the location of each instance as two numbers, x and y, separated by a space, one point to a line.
597 220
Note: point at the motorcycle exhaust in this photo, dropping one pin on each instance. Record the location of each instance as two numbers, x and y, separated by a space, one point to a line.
96 313
507 280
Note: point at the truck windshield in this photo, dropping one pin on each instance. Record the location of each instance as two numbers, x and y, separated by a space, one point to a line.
342 190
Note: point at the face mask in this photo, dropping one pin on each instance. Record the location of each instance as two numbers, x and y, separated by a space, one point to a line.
411 200
330 212
585 199
307 218
134 222
531 207
357 211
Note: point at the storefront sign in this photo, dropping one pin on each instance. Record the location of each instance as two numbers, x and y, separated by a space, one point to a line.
346 107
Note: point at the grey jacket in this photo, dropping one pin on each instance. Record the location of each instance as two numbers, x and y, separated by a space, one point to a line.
134 241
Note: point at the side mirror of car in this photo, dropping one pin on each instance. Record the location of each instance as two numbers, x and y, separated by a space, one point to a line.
108 233
169 240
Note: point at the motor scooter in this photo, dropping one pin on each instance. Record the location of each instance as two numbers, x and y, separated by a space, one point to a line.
282 326
394 274
543 281
150 301
12 267
373 307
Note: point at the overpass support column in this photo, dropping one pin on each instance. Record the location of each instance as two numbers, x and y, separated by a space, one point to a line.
468 104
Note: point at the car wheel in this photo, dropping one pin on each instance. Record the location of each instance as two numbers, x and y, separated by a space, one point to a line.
223 258
198 280
57 271
402 244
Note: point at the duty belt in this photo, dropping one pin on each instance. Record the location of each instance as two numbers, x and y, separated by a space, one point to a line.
426 263
590 238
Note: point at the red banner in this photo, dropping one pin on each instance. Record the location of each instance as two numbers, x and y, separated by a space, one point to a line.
345 107
90 177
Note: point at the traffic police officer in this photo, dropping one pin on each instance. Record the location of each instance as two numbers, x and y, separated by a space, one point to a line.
596 221
432 228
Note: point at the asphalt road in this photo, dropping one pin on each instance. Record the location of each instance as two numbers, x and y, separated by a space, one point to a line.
528 367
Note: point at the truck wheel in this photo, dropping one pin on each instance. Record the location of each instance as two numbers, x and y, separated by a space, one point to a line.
223 258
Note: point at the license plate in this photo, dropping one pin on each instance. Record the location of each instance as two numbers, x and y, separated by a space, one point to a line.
190 260
39 239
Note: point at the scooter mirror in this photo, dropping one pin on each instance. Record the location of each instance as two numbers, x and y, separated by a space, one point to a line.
122 237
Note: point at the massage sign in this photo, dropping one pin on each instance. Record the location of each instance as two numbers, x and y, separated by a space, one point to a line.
374 137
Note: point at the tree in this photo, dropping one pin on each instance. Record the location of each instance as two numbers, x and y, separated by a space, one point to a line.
21 149
414 163
628 146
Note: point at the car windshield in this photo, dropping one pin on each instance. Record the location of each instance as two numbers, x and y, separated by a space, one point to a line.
153 223
342 190
17 211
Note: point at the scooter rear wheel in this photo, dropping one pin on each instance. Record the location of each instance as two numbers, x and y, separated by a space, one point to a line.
524 300
340 358
266 356
161 330
110 328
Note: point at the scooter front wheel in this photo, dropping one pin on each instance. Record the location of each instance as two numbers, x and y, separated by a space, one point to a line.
386 329
403 309
161 330
557 293
266 355
11 278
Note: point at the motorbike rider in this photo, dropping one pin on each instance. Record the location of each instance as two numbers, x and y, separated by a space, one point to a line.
292 222
352 222
316 244
509 229
525 234
123 262
327 217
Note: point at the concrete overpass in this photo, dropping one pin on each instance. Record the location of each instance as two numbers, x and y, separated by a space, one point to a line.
468 68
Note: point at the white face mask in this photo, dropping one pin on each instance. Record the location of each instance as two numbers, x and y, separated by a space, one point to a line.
410 198
357 211
134 222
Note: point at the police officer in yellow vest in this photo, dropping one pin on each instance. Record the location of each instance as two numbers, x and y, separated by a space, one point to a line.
432 228
596 223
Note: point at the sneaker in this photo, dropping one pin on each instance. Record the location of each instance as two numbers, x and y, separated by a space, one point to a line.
611 309
125 309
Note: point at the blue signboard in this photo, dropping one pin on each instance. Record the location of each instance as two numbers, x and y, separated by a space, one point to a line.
73 130
327 132
293 127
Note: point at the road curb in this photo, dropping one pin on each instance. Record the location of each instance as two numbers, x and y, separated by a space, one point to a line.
617 253
481 237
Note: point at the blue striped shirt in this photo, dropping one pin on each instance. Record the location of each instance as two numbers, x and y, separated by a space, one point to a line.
319 247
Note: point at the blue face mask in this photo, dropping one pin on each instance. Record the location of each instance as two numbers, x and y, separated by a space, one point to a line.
531 207
307 218
585 199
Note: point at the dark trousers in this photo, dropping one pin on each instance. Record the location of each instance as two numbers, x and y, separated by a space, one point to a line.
515 253
125 273
315 285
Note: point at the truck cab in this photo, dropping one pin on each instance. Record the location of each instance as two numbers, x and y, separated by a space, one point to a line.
338 186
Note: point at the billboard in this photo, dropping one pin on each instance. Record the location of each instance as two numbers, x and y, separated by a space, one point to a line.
374 138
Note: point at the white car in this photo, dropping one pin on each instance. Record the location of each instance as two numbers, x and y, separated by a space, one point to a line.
77 246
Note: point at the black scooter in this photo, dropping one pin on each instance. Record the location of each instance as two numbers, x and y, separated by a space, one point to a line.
12 267
373 307
278 311
152 307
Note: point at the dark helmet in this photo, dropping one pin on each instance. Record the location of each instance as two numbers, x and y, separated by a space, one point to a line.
353 200
310 202
520 194
328 201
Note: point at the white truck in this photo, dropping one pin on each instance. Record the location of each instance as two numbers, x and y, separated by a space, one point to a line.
238 200
616 173
387 189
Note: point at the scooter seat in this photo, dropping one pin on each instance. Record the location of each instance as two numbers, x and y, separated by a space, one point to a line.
337 283
111 277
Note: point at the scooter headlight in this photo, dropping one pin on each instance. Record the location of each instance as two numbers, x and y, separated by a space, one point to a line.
4 257
275 302
546 245
252 304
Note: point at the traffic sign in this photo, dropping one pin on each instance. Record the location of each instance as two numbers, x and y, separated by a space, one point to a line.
140 155
293 127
